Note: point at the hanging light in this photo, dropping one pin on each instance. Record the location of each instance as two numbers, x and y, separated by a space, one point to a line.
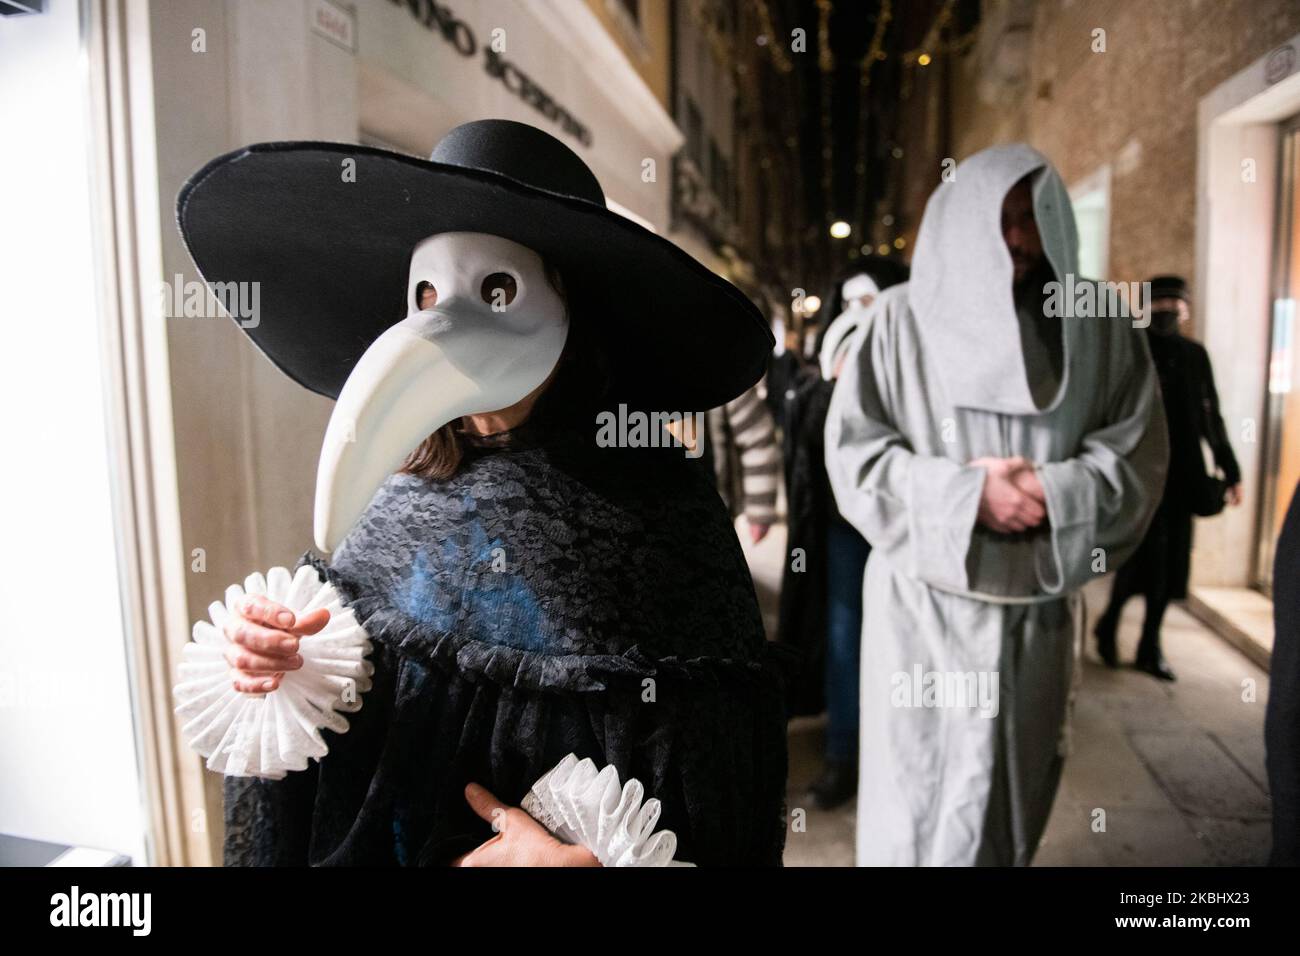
923 59
900 242
840 229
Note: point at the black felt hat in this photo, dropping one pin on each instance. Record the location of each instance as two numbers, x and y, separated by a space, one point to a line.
331 255
1171 287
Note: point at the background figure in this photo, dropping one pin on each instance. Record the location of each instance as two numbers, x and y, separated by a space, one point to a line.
821 595
786 368
745 461
1159 568
984 477
1282 720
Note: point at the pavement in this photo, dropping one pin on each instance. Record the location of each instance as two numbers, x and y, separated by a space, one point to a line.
1160 774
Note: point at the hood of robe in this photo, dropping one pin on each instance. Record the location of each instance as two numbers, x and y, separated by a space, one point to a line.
961 283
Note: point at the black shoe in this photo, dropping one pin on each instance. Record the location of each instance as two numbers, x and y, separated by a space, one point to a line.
836 786
1156 666
1106 645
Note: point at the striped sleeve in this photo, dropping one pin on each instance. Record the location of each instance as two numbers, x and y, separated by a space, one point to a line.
760 458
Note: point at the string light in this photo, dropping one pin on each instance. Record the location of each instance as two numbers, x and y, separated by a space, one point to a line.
875 52
775 50
826 63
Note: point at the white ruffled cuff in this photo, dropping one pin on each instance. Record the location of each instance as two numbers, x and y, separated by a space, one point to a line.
267 735
591 809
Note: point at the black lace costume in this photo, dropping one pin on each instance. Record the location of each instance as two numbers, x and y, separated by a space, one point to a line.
551 597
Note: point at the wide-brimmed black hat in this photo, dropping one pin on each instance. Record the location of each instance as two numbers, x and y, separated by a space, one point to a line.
331 254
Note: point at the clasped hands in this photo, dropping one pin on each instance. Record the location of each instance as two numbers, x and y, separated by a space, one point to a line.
1012 498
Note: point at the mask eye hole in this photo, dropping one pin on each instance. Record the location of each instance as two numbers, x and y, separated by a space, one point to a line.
426 295
499 290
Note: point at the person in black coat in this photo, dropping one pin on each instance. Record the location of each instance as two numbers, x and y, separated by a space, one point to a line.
1158 570
821 589
536 588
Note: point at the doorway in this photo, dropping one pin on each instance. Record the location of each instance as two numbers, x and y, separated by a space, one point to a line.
1281 463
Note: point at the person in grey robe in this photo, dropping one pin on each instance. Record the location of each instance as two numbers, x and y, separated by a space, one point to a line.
1000 441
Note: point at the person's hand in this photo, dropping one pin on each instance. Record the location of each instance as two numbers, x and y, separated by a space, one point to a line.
1234 494
520 840
1027 480
758 531
265 642
1012 498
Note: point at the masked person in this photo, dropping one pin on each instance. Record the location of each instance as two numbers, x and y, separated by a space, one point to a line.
821 586
994 454
1159 568
742 456
536 602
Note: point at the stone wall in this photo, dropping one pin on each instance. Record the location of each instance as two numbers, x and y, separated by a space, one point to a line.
1133 106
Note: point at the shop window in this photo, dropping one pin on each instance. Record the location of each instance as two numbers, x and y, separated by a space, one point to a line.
1091 201
1282 402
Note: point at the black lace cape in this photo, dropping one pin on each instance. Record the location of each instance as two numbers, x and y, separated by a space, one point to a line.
550 598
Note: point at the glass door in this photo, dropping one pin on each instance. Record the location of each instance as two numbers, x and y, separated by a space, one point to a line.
1282 405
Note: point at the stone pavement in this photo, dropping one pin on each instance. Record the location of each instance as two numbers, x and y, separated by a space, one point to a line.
1178 769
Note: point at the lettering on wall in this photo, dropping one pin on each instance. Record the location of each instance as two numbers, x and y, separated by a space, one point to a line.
334 24
439 18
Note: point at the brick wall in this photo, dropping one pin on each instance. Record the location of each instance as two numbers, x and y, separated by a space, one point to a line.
1133 106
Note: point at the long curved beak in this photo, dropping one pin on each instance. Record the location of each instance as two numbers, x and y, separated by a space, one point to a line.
406 386
403 389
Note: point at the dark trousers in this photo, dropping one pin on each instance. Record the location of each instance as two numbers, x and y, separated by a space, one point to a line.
846 557
1158 571
1129 583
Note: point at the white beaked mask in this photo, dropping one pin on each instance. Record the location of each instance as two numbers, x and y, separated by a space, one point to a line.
856 288
840 331
494 334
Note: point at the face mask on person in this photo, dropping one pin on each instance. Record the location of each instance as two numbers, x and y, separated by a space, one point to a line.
1164 321
484 329
858 292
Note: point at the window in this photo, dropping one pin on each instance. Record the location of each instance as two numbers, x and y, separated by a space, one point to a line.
1091 201
1282 403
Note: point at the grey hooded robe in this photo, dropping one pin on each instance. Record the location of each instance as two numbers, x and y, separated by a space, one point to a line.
938 378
